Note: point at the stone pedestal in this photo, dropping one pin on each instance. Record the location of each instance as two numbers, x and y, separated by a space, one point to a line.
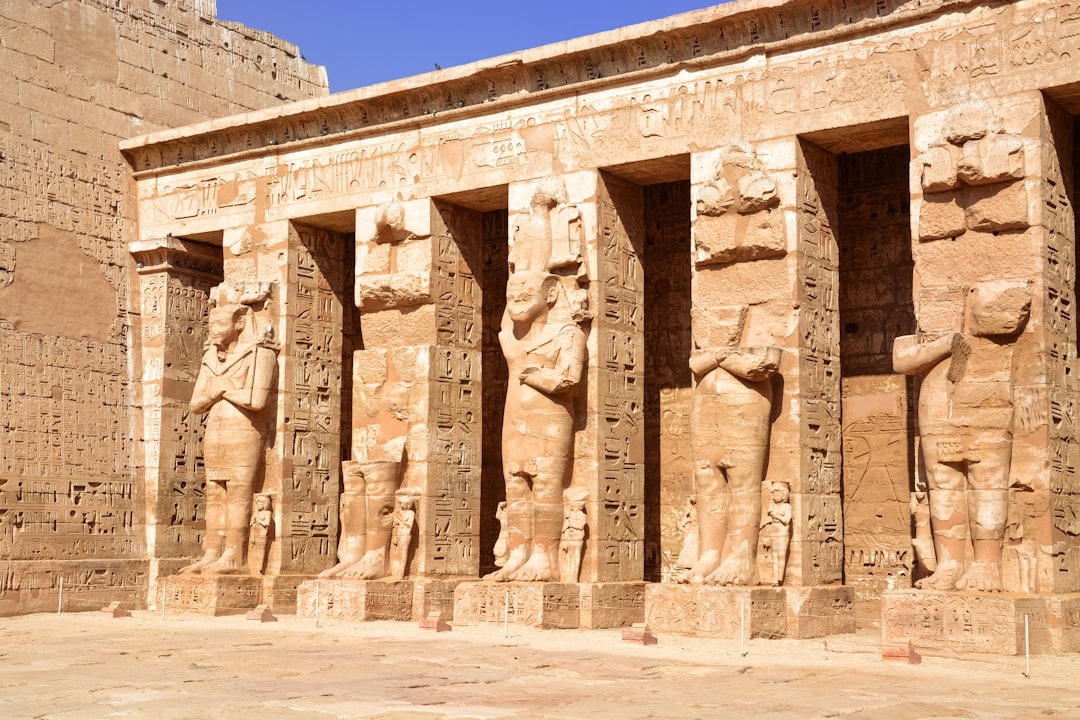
431 595
969 622
355 599
547 605
719 612
820 611
611 605
1063 616
212 594
280 592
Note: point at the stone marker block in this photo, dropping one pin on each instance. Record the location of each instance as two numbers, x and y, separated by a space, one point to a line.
262 614
548 605
713 611
903 654
213 594
355 599
434 622
116 610
964 622
639 634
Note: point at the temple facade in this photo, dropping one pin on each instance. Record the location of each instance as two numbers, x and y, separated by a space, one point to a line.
756 319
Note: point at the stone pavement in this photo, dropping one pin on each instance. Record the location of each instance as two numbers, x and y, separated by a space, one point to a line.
82 666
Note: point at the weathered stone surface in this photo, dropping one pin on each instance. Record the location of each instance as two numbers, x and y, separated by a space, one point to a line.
549 605
966 622
359 600
211 594
722 612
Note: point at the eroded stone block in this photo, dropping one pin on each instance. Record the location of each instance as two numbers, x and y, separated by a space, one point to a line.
714 611
344 599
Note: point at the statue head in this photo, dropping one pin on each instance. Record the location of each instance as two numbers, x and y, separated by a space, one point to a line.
530 294
226 323
263 502
779 492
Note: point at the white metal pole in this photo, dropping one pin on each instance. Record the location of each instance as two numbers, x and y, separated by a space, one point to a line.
506 615
316 603
742 627
60 597
1027 648
164 588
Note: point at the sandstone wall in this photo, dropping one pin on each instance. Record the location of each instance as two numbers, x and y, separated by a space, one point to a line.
76 78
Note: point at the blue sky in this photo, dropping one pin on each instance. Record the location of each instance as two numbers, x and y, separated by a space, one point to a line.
362 42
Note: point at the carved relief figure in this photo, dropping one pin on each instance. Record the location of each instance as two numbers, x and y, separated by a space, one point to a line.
776 531
729 436
688 553
502 543
261 521
573 540
545 357
965 425
404 522
232 388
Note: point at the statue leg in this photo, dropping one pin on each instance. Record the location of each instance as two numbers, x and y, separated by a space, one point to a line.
745 477
382 482
238 497
519 524
988 506
547 521
948 518
353 519
214 538
711 491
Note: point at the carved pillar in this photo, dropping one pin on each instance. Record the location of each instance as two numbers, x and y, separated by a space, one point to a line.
609 458
175 278
982 230
416 388
1058 223
816 554
307 315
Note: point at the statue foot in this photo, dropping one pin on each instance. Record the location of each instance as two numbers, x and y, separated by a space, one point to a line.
943 579
337 569
981 576
705 566
539 568
207 559
737 569
369 567
518 557
228 564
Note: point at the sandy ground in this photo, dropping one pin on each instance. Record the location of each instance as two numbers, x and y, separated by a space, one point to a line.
90 665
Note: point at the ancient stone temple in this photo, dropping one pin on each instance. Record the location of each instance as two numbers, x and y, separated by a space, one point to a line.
759 319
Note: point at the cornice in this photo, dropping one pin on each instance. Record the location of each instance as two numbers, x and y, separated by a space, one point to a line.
702 38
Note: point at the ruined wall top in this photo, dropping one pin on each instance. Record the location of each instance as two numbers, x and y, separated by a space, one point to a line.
725 34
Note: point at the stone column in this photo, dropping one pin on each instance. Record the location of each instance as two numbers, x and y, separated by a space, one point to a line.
610 454
994 235
417 381
175 278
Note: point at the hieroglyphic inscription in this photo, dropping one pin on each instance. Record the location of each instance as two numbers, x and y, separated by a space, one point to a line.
456 437
1059 168
667 373
494 275
619 500
312 393
65 486
819 546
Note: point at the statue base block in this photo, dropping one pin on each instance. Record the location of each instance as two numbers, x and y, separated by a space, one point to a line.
611 605
714 611
819 611
542 604
973 622
433 595
355 599
213 594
